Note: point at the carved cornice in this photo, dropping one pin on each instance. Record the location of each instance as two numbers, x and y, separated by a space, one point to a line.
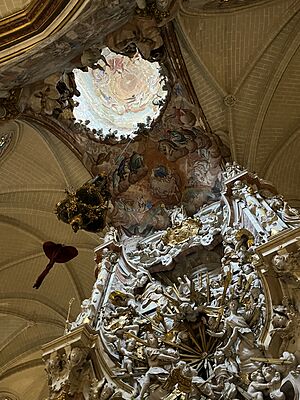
30 21
288 240
22 28
163 313
83 337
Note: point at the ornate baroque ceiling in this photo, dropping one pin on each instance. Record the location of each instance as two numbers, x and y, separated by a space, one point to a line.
243 60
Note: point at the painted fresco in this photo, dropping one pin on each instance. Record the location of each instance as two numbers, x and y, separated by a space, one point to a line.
172 160
174 163
119 93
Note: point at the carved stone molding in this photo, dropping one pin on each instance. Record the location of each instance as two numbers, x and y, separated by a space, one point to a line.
142 32
68 364
74 365
27 23
77 26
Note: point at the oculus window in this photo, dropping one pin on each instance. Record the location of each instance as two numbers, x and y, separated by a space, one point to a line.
119 95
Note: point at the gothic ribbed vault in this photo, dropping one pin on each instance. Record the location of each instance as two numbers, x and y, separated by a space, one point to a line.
244 65
35 170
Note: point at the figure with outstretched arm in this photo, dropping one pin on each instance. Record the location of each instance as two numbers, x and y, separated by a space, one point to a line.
240 339
157 358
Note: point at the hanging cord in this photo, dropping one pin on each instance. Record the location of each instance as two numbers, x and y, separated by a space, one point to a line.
68 315
119 156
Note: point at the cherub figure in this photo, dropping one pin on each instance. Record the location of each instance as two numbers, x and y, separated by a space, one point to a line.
257 385
241 340
273 378
184 287
127 351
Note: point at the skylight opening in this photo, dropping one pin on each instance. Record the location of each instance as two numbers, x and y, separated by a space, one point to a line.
119 95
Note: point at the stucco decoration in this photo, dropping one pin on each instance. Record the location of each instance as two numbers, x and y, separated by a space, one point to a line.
172 161
139 33
86 208
155 169
193 312
142 32
175 162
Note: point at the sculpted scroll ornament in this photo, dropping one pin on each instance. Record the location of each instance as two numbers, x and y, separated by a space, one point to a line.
52 97
9 105
140 33
90 307
86 208
266 212
232 170
71 373
161 249
286 322
143 32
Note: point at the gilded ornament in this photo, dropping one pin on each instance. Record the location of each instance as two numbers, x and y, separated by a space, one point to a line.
87 207
244 234
62 396
26 23
196 331
188 229
116 296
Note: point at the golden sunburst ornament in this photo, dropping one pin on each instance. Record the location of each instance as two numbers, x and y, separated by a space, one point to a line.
179 234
